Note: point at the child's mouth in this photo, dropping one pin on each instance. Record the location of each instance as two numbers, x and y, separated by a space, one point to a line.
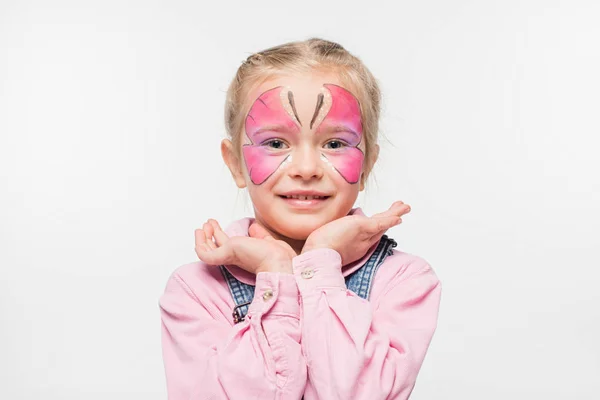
300 197
304 201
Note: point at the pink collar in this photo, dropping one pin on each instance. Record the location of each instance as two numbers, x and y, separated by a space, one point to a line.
240 228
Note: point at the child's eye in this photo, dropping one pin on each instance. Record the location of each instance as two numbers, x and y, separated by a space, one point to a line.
338 144
275 144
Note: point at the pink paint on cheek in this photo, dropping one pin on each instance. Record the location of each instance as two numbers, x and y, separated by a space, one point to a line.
348 163
260 163
345 112
267 111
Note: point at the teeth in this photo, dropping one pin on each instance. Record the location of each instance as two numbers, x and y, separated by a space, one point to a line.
304 197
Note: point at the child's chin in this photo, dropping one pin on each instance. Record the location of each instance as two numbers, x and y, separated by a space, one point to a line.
301 227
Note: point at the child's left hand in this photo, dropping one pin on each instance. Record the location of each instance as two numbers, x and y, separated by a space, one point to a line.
353 235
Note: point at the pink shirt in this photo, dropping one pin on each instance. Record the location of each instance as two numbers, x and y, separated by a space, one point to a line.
312 337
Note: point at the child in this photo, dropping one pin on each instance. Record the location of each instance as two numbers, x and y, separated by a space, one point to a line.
323 306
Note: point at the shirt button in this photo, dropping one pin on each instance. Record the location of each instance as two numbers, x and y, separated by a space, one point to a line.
307 273
267 294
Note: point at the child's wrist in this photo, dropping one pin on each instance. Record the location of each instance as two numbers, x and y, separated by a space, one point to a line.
312 247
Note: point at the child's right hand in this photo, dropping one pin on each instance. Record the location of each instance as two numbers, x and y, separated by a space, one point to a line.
258 253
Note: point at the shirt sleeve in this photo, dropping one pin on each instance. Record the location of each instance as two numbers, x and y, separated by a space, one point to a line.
206 357
357 350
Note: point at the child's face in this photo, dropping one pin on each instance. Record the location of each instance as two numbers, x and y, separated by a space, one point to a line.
302 133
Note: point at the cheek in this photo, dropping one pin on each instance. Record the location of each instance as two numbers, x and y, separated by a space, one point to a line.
260 163
347 163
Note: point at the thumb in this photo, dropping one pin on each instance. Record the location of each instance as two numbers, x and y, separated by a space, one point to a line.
256 230
219 256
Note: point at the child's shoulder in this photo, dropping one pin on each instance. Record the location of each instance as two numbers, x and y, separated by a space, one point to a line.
401 268
196 276
403 263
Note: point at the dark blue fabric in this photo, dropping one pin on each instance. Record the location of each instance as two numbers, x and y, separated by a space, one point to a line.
360 281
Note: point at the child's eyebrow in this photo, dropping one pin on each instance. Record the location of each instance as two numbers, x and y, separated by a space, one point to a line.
272 128
337 128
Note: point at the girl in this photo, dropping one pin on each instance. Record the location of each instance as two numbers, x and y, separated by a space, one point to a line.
308 298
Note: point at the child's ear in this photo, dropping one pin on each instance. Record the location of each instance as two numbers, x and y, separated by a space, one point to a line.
369 168
233 163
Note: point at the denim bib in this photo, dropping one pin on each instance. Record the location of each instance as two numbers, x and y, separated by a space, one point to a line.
359 281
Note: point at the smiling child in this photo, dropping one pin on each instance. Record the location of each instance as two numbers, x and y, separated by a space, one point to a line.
308 298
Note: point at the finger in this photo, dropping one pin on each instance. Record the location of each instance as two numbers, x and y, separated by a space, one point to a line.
404 209
254 231
199 237
220 236
399 208
394 208
384 224
258 231
201 248
204 236
379 224
200 245
218 256
209 233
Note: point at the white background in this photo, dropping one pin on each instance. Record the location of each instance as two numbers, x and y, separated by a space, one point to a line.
111 115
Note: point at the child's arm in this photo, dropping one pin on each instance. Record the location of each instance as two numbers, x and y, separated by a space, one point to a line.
354 351
206 357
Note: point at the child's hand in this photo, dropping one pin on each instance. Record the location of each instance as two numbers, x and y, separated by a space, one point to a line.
258 253
353 235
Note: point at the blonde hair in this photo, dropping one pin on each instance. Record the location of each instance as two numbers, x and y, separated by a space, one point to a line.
305 56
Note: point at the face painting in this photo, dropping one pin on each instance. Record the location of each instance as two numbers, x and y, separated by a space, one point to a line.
267 111
340 112
337 111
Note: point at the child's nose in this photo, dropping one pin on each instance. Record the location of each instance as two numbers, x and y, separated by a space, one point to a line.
306 163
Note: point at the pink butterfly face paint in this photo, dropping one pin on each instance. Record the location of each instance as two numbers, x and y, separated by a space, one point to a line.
273 111
339 111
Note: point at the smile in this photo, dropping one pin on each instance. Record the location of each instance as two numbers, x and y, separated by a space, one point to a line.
300 197
305 202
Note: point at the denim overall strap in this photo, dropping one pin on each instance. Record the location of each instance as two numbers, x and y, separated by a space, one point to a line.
242 295
360 281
